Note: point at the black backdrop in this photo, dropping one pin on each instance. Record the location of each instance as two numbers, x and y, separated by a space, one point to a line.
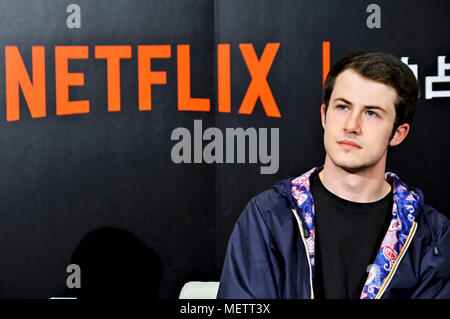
101 190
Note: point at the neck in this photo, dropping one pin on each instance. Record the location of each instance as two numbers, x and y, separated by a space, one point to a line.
364 186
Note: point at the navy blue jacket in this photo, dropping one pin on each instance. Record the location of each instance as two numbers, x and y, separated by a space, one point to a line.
270 252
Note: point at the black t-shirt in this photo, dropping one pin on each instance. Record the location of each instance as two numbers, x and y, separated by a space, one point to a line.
348 236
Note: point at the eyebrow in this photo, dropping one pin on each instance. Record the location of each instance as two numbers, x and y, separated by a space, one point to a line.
369 107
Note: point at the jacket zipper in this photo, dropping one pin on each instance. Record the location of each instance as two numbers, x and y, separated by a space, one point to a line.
300 226
397 262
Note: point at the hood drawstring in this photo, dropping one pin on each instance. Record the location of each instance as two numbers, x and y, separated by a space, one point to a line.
433 239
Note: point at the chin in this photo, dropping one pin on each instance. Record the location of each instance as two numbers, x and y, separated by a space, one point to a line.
353 169
352 166
354 162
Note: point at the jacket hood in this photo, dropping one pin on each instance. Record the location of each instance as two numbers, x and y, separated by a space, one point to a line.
284 188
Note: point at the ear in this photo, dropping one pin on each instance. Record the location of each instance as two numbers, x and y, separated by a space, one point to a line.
400 134
323 114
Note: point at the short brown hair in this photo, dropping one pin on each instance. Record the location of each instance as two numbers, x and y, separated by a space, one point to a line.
383 68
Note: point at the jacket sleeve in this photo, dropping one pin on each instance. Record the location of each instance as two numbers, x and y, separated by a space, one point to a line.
435 267
250 268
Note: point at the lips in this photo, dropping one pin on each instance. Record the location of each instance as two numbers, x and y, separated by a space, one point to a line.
348 144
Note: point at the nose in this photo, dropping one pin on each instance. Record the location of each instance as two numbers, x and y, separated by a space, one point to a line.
352 123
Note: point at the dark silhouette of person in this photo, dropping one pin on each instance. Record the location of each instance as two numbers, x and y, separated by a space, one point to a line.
115 264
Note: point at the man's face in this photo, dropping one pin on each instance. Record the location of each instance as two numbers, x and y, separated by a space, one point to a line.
359 121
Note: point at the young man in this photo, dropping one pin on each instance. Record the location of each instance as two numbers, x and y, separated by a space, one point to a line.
346 229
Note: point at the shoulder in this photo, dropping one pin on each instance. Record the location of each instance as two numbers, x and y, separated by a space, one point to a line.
438 223
271 207
269 201
432 237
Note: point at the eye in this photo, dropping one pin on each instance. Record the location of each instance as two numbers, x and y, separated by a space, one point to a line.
372 114
341 107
